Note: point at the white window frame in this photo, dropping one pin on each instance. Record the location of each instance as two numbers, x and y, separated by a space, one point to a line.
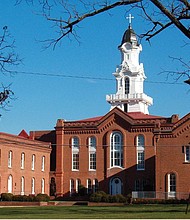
140 152
116 149
75 154
171 185
78 184
89 186
43 185
92 152
187 154
95 185
22 160
43 163
72 186
10 184
33 186
33 161
10 157
22 185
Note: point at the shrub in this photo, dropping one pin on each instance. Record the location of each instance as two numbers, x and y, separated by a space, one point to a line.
19 198
105 198
42 198
95 197
6 196
120 198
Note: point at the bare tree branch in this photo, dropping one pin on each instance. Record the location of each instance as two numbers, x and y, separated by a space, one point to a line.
8 58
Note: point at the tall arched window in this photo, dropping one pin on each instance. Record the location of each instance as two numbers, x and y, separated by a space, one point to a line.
75 153
92 153
10 184
43 163
127 85
33 161
43 185
33 186
72 187
10 157
22 185
140 152
171 185
116 149
78 185
89 186
95 185
22 160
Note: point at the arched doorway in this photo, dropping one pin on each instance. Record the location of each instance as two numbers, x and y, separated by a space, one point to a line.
115 186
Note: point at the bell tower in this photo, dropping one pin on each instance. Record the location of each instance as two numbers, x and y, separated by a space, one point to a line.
130 77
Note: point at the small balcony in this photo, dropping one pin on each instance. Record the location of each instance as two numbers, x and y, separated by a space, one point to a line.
129 97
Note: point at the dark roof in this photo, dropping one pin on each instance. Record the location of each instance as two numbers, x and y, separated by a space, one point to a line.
128 36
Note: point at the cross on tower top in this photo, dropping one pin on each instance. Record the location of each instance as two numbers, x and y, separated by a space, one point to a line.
130 17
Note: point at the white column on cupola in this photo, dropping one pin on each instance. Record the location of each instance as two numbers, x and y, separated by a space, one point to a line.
130 77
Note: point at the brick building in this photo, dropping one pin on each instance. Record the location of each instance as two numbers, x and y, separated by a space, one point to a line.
24 165
127 150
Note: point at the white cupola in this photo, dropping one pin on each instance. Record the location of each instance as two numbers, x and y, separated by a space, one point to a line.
130 77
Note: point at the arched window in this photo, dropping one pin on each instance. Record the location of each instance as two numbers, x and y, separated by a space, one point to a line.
140 152
33 186
89 186
10 184
22 160
43 163
43 185
75 153
10 157
127 85
52 187
78 185
116 149
171 185
22 186
95 185
72 187
33 161
92 153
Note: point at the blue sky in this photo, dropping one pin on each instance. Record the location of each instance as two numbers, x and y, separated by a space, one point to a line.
41 100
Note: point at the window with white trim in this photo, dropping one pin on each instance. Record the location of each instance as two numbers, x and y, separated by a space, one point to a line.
140 152
10 184
43 163
10 157
92 153
78 185
171 185
127 85
72 187
22 186
43 185
33 186
22 160
116 152
75 153
96 185
187 154
89 186
33 161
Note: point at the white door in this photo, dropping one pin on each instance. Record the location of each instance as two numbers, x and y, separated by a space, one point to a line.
115 186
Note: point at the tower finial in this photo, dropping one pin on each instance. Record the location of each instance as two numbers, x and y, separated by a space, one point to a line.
130 17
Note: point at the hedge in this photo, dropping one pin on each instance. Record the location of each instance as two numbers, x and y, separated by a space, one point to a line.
23 198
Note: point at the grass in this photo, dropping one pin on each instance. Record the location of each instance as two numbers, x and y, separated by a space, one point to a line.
85 212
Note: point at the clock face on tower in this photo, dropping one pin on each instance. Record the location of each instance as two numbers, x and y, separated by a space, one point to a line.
127 46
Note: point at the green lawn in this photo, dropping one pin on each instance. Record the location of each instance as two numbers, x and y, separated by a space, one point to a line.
81 212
